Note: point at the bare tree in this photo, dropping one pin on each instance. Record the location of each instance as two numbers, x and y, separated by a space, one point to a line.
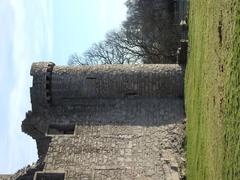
75 59
105 52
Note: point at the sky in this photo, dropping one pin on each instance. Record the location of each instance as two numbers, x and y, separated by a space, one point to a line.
41 30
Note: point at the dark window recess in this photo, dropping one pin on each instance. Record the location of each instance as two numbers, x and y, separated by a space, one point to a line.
47 78
58 129
48 94
91 78
131 94
49 176
47 86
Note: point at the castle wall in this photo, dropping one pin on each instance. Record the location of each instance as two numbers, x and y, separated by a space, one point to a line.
108 122
131 112
136 140
110 152
5 177
59 85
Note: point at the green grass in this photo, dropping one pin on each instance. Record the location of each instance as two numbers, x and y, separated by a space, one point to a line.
212 90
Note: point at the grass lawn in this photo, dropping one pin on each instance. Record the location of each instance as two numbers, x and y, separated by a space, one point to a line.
212 90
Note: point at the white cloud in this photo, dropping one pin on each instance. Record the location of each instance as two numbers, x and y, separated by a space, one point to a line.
32 37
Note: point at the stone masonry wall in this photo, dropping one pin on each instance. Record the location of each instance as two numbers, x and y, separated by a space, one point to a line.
125 152
126 121
5 177
131 112
144 142
57 85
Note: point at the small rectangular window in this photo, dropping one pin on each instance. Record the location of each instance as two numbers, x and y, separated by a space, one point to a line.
49 176
61 129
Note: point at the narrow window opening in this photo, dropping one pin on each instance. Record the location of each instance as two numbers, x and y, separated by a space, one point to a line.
49 176
47 78
47 86
91 78
48 93
61 129
131 94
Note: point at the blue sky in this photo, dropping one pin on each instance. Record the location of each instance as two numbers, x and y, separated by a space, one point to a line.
36 30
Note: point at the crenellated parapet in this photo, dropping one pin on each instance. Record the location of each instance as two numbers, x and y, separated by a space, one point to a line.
41 87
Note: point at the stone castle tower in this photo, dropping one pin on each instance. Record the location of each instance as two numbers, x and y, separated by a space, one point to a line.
106 122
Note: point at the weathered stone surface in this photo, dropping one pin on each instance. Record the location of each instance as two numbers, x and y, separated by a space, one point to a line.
5 177
118 152
69 85
107 122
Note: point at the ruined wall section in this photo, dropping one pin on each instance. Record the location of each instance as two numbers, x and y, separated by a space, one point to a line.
125 152
130 112
139 139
